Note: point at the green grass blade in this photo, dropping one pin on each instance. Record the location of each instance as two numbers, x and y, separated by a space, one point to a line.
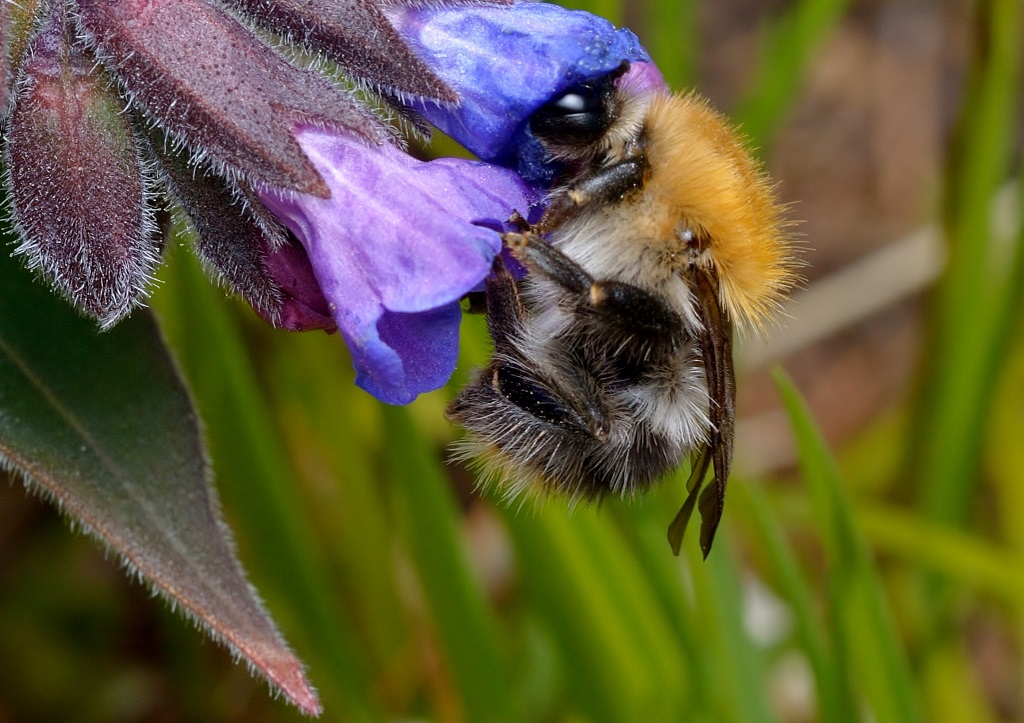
861 618
334 433
972 311
836 701
645 523
671 34
583 583
739 675
610 9
788 47
466 627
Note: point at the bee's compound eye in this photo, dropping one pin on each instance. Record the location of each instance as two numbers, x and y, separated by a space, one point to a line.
579 99
580 116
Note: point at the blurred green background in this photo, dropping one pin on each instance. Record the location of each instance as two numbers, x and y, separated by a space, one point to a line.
881 581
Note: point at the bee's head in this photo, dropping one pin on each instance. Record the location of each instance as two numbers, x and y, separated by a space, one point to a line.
575 123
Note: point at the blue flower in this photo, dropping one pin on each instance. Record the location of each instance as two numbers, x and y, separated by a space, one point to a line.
394 248
505 62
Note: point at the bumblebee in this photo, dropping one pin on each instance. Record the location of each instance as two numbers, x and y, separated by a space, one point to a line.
612 357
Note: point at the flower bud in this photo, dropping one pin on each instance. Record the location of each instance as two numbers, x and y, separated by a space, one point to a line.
76 181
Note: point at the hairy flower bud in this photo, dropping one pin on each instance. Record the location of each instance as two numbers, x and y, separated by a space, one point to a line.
356 35
76 182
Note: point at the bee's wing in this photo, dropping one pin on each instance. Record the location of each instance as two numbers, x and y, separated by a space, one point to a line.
716 349
698 470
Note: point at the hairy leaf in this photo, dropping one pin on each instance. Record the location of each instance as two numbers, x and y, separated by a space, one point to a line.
76 181
5 59
212 84
103 425
356 35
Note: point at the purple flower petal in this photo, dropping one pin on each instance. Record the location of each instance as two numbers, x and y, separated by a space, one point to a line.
505 62
303 306
394 248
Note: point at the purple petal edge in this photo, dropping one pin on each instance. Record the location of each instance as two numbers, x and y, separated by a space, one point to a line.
394 248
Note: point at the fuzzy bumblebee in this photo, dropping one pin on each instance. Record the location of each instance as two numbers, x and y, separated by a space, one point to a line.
612 358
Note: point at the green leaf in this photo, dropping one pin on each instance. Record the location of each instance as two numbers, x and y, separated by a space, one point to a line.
103 425
258 481
835 699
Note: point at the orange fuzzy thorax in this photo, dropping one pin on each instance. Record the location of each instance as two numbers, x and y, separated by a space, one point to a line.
704 178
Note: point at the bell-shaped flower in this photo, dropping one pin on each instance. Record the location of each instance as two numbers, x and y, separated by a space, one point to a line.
507 61
395 247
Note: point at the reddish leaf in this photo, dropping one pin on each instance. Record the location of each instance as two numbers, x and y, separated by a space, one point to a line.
210 82
356 35
5 59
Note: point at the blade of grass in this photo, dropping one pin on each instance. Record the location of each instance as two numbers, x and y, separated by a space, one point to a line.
972 310
950 687
466 627
1004 452
644 522
610 9
736 665
836 701
670 32
569 586
860 614
334 433
704 604
958 557
628 589
788 47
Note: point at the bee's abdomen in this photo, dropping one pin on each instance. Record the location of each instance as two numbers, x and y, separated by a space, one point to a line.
535 442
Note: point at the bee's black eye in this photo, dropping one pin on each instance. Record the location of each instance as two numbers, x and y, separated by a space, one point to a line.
579 117
579 99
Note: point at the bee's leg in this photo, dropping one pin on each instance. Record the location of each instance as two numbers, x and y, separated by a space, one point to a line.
609 184
542 258
635 310
572 404
519 222
505 312
628 308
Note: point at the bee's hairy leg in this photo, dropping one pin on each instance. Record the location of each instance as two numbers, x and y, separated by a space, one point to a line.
636 311
519 222
505 312
628 307
540 257
608 184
